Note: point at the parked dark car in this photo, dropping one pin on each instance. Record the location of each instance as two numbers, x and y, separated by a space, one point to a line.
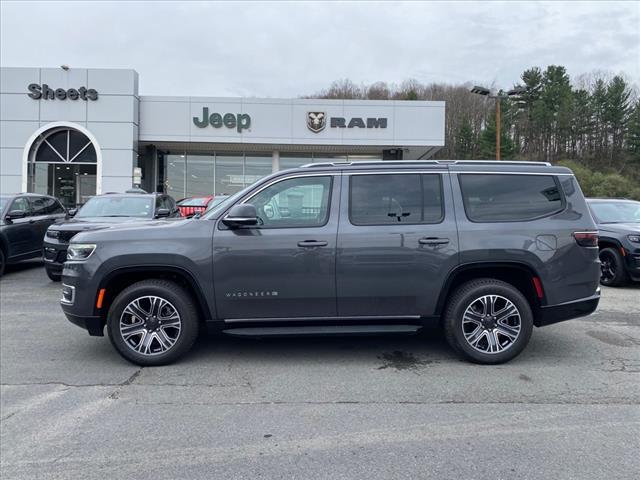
486 249
24 219
103 211
194 205
618 222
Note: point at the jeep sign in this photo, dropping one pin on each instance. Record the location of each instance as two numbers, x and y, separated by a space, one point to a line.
239 121
45 92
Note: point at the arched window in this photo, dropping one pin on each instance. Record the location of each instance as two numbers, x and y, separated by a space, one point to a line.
65 145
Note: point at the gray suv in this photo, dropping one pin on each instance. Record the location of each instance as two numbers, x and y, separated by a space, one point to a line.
485 249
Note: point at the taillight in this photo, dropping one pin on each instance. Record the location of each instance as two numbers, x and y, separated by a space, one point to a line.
586 239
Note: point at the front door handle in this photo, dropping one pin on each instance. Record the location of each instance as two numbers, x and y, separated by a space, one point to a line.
313 243
433 241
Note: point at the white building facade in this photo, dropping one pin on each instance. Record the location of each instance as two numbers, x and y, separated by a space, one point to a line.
79 132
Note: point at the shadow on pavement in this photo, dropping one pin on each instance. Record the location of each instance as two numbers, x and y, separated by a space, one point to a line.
22 266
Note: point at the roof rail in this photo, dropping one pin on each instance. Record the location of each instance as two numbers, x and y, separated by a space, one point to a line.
426 162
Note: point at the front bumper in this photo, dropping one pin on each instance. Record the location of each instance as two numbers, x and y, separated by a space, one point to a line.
632 262
94 325
79 290
54 254
547 315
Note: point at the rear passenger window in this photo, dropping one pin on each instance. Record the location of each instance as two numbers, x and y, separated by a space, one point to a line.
509 198
390 199
38 206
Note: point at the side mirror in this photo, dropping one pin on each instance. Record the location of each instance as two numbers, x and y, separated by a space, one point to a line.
239 215
163 213
14 214
197 215
72 212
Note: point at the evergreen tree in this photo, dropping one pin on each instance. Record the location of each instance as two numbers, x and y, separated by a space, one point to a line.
465 141
488 142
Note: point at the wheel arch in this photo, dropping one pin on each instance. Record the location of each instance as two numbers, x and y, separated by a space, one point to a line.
518 274
608 242
118 279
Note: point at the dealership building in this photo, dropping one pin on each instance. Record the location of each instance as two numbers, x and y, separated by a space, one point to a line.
73 133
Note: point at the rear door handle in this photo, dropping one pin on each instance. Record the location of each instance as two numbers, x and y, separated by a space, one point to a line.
313 243
433 241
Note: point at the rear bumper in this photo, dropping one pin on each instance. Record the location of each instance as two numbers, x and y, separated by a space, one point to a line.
547 315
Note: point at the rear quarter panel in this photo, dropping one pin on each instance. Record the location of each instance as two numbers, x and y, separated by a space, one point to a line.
566 270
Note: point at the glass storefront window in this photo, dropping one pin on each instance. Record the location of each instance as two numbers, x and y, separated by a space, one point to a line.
200 175
229 174
294 160
174 171
256 166
322 158
196 174
364 158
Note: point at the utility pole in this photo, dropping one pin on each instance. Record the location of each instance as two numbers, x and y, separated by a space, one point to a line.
498 98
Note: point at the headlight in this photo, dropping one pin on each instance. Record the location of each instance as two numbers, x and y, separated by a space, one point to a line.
53 233
80 251
634 238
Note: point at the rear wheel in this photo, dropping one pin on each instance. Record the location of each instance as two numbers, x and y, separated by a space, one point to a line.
153 322
612 272
488 321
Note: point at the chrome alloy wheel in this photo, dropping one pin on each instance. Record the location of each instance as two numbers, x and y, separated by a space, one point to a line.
491 324
150 325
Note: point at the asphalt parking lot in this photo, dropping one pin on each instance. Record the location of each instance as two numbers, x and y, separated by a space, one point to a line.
374 407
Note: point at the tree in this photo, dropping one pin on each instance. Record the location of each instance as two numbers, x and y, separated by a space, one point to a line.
488 142
466 141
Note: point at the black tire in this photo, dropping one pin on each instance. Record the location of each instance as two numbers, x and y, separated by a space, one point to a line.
613 273
2 262
178 298
53 276
467 295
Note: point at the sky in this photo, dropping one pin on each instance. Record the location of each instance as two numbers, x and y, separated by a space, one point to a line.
289 49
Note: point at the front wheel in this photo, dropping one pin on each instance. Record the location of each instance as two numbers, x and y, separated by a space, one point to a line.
488 321
153 322
53 276
2 262
612 272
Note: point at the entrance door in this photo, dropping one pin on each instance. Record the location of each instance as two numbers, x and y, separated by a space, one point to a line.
63 164
285 266
395 243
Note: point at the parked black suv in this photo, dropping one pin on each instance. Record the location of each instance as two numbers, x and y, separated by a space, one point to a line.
24 218
486 249
103 211
619 231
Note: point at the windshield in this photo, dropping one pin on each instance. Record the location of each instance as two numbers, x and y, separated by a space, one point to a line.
3 202
107 206
616 212
194 202
218 209
216 201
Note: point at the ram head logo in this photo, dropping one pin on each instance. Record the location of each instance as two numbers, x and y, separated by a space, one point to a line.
316 121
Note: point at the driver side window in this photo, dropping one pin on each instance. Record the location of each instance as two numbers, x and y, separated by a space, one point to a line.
295 202
21 203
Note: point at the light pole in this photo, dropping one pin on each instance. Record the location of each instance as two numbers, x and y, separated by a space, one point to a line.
498 97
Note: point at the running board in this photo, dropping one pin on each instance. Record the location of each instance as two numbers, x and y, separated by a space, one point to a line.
326 330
